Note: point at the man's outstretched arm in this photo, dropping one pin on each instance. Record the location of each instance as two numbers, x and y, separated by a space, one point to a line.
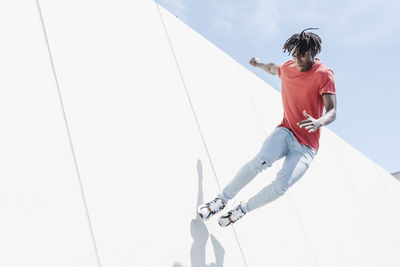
271 68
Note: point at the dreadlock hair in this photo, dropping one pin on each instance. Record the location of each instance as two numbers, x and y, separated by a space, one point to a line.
299 44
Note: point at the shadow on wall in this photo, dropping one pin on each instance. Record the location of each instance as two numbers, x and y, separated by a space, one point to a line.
200 234
396 175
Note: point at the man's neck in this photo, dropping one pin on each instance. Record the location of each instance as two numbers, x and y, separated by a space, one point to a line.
312 64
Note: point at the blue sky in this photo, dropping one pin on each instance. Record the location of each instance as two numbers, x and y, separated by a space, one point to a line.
359 43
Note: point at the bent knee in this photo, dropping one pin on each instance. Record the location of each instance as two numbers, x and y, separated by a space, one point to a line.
280 187
261 164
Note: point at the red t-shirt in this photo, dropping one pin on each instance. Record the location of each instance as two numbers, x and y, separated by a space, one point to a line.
303 91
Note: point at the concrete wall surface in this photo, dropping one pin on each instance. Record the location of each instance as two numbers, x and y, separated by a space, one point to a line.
118 120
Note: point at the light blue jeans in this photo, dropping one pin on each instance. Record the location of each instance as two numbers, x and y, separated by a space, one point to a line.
281 142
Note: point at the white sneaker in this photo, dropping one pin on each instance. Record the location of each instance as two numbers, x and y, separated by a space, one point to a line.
232 216
207 210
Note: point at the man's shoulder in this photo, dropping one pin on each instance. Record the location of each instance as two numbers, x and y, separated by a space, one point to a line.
288 62
324 74
323 70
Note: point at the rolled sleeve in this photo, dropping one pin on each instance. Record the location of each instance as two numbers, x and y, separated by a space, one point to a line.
279 70
327 83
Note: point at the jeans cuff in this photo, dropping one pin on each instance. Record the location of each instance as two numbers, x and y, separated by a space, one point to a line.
244 206
223 197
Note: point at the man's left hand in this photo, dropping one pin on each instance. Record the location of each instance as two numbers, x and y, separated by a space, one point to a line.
310 124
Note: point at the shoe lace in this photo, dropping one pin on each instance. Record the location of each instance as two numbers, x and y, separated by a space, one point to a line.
214 205
236 212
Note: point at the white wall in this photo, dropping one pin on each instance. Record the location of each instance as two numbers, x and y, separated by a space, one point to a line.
150 133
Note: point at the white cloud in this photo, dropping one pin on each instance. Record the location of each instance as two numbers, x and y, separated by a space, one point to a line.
259 17
347 23
353 22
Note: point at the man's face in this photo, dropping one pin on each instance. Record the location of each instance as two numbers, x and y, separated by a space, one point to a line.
303 62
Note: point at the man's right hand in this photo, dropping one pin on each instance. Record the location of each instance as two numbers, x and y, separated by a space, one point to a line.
254 61
271 68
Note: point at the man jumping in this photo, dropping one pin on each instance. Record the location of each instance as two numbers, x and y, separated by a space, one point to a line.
307 86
